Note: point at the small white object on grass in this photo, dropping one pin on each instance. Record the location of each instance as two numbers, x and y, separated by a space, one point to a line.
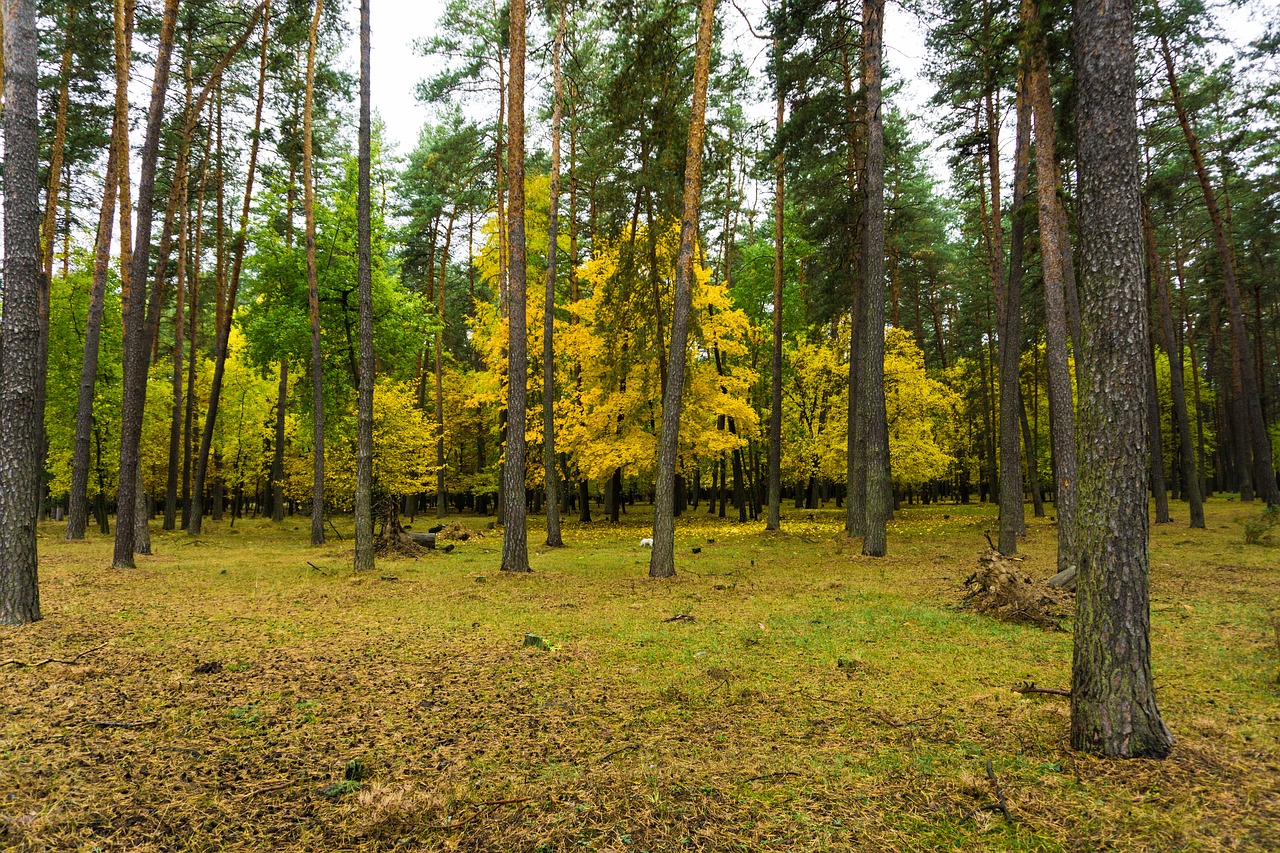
646 543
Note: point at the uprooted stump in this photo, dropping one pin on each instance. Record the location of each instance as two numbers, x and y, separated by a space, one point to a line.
1002 589
394 540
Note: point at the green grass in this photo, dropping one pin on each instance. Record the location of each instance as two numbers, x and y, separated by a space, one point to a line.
817 700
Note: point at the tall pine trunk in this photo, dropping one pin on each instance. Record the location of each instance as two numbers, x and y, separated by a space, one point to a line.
227 305
662 559
364 252
78 500
1113 706
1177 384
20 325
879 499
136 346
515 545
773 520
550 474
313 291
1052 239
1254 424
1013 522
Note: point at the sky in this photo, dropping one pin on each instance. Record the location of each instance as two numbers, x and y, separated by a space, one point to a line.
396 67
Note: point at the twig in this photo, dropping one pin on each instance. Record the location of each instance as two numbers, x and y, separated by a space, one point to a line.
482 810
319 569
278 786
1030 687
995 783
989 542
617 751
890 721
24 665
113 724
776 775
335 529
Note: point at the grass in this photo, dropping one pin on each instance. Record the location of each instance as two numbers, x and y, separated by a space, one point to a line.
817 699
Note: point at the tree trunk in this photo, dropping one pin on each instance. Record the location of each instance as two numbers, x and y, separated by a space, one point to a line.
48 230
1113 707
1254 426
662 558
78 500
1052 224
1154 441
179 307
277 460
364 251
313 292
442 496
1013 522
879 500
226 306
550 474
515 545
20 326
774 519
1177 385
136 348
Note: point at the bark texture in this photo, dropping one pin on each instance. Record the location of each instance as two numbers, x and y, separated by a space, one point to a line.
364 410
550 473
20 325
773 521
136 346
313 293
662 559
1113 706
879 496
515 545
1054 263
1177 385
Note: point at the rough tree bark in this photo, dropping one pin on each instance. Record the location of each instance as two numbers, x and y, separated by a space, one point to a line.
515 545
1113 707
226 308
136 348
364 414
1013 521
20 325
1177 385
1052 228
550 474
78 500
662 559
1254 425
879 500
773 520
313 292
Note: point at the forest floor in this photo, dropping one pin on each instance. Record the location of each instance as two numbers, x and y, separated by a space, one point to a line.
245 691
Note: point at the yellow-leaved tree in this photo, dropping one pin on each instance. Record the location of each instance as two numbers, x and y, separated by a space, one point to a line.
611 416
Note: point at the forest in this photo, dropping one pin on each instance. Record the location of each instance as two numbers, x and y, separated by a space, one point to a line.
690 440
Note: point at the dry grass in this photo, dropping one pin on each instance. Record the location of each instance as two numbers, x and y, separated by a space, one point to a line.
816 700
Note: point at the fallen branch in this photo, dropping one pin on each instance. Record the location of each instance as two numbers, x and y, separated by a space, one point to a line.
617 751
1030 687
995 783
278 786
319 569
113 724
24 665
764 776
890 721
482 810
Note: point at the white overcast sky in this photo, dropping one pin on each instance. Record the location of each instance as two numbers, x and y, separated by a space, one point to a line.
396 68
